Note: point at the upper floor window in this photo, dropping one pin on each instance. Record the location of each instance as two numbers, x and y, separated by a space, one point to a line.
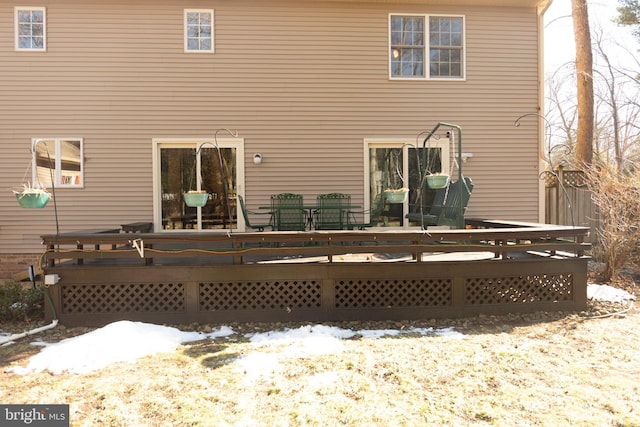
31 28
423 47
198 30
61 158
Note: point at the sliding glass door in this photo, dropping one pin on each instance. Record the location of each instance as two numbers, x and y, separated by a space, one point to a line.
204 167
394 165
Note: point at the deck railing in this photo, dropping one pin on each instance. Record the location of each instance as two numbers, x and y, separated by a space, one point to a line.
492 267
504 239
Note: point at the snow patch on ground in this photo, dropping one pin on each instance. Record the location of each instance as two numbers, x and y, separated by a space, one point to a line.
121 341
608 293
127 341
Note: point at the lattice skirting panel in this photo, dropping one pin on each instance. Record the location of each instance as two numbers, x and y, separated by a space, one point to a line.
96 295
387 293
260 295
535 288
123 298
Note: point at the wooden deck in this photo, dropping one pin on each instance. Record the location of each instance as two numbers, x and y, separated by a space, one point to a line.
495 267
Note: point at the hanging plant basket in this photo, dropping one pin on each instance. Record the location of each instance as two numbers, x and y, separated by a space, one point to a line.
437 181
32 198
195 199
396 196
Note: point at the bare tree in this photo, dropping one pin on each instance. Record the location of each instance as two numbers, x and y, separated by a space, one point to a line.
561 114
616 107
584 71
613 141
610 80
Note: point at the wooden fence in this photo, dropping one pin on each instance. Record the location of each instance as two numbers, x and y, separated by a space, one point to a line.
568 201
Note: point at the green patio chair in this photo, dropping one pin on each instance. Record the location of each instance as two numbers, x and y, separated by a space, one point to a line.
374 214
332 210
288 212
245 214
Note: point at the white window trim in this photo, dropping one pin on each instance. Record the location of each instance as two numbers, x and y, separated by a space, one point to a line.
16 31
223 142
426 48
213 30
405 144
57 176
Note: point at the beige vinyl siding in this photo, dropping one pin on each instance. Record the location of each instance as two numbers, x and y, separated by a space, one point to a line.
304 83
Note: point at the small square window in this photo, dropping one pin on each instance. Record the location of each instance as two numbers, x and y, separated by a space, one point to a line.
30 28
198 30
58 158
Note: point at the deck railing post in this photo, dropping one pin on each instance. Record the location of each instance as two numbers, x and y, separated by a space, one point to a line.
457 293
51 262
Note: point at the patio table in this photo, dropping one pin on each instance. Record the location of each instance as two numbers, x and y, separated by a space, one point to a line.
312 207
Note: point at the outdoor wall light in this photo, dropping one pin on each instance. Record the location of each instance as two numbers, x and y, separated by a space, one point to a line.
257 158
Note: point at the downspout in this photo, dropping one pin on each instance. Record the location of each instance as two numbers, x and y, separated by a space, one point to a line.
51 325
542 9
14 337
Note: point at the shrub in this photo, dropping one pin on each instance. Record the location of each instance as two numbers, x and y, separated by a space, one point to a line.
20 303
616 193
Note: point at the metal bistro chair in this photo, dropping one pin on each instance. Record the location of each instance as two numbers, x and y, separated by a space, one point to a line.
288 212
331 213
245 214
374 214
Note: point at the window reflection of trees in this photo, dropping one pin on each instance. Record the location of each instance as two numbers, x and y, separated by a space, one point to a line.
179 175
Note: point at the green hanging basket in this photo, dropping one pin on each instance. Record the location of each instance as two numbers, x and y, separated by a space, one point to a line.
195 199
437 181
35 200
396 196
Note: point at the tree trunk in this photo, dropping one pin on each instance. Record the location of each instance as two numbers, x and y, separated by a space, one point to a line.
584 71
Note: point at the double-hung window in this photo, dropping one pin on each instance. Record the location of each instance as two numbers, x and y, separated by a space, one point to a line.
426 47
31 28
60 159
198 30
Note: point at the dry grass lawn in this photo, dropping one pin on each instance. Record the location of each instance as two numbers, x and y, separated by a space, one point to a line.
548 369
